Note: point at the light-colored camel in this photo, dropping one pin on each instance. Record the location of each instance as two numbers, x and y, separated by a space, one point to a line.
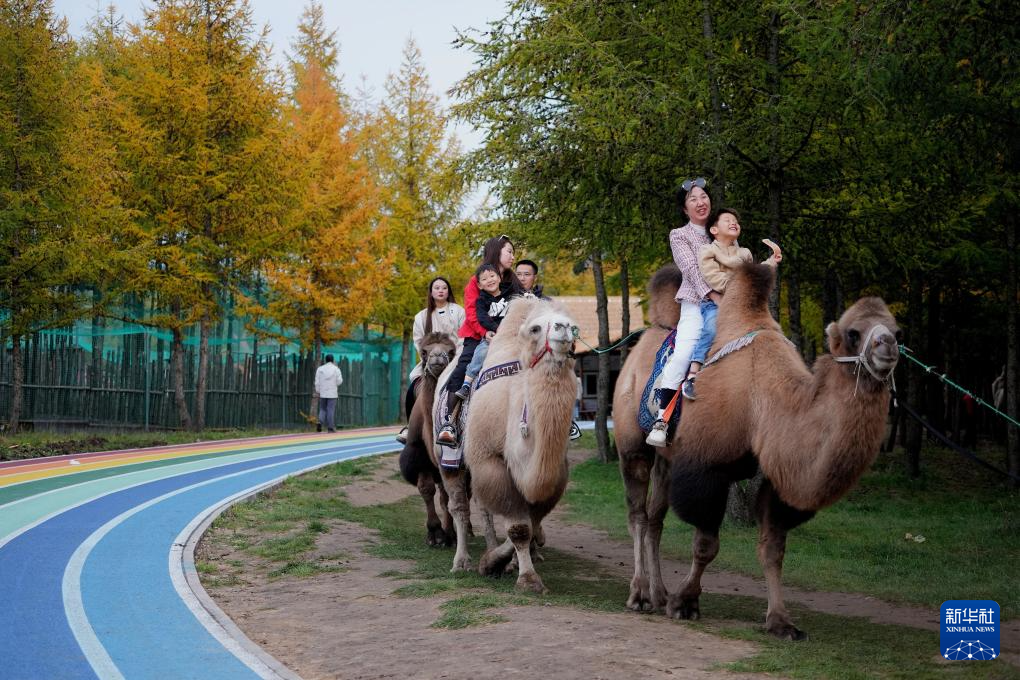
416 461
812 432
641 466
518 430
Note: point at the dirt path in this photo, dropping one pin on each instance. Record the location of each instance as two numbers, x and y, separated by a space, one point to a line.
349 625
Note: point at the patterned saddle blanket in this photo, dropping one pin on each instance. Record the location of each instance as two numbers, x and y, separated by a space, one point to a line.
648 410
452 457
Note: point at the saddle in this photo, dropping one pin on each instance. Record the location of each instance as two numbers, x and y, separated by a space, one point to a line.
648 408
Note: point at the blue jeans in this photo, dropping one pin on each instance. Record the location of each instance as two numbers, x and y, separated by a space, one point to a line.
475 367
709 310
327 413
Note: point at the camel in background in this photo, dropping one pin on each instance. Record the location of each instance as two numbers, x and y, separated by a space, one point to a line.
416 460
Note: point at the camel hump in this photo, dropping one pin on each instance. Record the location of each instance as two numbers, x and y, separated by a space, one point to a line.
751 286
662 287
437 338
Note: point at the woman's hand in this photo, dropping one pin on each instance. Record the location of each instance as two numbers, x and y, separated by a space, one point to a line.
715 296
489 335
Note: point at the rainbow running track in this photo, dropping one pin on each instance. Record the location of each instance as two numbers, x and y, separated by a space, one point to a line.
97 577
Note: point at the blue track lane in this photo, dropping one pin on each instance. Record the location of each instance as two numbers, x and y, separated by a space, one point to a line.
137 616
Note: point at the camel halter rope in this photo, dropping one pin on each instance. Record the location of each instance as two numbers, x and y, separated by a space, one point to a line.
863 360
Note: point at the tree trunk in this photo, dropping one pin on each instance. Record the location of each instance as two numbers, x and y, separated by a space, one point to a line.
832 297
793 307
177 368
96 367
625 301
405 366
915 385
606 452
17 384
934 406
1012 366
313 403
201 383
713 89
774 163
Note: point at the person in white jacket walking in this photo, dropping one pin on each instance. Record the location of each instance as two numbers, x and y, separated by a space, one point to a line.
328 379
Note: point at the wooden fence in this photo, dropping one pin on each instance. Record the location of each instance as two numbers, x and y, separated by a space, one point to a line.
131 386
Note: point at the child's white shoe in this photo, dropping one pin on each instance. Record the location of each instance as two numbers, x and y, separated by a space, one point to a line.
657 437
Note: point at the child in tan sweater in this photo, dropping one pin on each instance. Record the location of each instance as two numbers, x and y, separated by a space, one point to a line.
717 260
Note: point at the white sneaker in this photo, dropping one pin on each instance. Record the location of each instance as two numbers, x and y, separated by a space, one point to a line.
657 437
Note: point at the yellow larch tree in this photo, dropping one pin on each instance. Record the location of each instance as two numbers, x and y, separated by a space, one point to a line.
206 164
334 268
417 162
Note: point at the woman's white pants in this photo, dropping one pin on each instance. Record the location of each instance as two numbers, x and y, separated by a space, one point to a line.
688 330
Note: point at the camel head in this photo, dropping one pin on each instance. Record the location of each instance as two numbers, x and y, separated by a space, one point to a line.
437 350
866 335
546 335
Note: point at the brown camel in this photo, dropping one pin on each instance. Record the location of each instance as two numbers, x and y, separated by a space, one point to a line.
640 464
518 429
812 432
416 461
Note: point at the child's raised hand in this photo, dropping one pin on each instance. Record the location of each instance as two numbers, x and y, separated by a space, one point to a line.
777 252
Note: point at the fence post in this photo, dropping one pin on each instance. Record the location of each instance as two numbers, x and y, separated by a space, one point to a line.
283 400
364 382
148 372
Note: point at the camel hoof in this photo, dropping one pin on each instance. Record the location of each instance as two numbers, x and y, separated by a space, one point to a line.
531 583
437 538
639 600
685 608
786 631
492 564
660 596
461 564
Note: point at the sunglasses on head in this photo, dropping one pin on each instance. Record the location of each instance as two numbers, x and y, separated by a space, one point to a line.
691 183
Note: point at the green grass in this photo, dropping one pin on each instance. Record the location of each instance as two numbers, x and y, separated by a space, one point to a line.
40 444
839 647
969 521
282 526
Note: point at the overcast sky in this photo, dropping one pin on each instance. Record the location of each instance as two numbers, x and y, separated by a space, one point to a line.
371 34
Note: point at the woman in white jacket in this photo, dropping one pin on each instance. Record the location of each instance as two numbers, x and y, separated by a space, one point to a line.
442 314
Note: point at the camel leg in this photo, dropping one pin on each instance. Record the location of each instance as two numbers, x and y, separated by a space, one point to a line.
495 560
427 489
698 495
537 539
490 530
459 508
635 471
658 506
775 519
446 517
519 532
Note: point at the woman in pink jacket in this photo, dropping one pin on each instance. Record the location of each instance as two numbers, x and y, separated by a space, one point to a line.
685 242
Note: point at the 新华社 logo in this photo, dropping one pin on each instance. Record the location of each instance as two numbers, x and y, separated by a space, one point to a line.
969 630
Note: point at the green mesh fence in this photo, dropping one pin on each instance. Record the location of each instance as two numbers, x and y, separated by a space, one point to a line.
115 374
